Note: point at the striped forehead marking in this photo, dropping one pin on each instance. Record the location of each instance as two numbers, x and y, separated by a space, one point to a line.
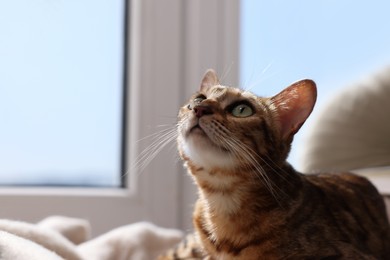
218 92
229 95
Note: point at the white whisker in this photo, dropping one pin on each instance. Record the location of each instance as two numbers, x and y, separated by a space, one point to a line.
240 150
156 134
248 154
226 71
161 140
261 77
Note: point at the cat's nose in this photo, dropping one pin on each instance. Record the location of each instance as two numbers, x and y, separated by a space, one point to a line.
202 110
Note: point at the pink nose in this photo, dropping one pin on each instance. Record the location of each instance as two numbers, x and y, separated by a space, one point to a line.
202 110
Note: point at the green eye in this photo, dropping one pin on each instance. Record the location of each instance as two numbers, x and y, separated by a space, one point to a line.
199 99
242 110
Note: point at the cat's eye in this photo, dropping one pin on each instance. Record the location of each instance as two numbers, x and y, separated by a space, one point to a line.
199 99
196 101
242 110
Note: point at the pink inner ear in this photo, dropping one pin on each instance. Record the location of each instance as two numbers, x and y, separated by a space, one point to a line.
294 105
210 79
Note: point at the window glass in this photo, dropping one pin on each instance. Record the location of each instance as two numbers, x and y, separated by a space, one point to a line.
332 42
61 90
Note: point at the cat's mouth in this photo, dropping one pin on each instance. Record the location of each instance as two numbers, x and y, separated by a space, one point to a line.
200 138
197 129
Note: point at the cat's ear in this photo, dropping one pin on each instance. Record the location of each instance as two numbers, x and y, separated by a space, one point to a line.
293 105
210 79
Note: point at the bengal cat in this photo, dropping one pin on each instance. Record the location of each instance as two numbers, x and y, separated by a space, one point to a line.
252 204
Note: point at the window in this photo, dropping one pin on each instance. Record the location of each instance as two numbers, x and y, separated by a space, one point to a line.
333 42
148 195
62 82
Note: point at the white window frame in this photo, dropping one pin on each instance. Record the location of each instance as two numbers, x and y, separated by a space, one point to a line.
172 43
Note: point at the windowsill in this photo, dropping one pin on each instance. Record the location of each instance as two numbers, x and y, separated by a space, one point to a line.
64 192
379 176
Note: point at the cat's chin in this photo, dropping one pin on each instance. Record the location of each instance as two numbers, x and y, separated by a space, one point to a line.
204 153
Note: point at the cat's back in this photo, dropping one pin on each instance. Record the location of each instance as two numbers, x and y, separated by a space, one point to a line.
353 209
352 192
348 187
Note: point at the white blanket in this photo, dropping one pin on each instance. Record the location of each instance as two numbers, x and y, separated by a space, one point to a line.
59 237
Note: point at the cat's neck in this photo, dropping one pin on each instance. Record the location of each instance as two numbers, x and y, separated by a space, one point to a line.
232 204
232 192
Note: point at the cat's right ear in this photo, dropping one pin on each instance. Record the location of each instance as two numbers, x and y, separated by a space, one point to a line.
210 79
294 105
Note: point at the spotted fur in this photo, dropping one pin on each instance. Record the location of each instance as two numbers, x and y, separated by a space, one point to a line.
252 204
189 248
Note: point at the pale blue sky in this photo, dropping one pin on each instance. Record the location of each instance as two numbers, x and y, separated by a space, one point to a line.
333 42
60 90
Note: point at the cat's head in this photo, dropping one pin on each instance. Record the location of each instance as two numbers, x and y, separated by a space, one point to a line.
224 127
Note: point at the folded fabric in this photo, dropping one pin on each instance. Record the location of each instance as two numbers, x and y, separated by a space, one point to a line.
59 237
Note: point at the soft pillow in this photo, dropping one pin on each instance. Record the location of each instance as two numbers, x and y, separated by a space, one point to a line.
352 130
76 230
45 237
13 247
46 240
141 241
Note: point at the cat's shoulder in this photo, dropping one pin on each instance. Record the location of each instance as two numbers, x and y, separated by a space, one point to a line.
337 177
343 181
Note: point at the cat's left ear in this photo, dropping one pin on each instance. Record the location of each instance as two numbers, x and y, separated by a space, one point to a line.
293 105
210 79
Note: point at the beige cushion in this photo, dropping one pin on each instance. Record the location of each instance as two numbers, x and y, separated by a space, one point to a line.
352 130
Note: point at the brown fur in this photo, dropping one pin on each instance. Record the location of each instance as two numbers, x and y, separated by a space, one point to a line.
252 204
